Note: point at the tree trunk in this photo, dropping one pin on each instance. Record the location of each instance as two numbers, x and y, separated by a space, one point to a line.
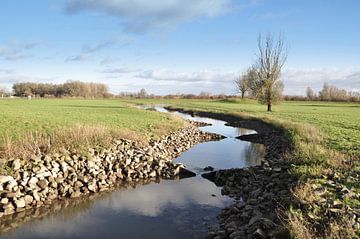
242 95
269 107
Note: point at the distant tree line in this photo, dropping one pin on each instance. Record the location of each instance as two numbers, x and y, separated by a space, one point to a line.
328 93
143 94
68 89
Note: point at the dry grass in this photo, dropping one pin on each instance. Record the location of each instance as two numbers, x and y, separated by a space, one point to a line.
163 129
78 137
304 192
299 228
341 229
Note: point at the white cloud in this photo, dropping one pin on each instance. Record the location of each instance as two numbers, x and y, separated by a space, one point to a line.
188 76
165 81
14 50
144 15
88 50
296 80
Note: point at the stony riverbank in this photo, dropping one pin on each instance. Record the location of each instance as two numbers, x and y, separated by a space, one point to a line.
45 178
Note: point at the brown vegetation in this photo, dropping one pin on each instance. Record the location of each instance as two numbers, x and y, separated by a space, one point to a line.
78 137
68 89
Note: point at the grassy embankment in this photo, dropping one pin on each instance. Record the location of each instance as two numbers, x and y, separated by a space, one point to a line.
326 159
30 126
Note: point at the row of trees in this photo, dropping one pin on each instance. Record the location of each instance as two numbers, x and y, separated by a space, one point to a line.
332 93
69 89
261 80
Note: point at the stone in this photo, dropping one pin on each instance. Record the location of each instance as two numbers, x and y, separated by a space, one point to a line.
152 174
184 173
16 164
33 181
259 233
28 199
208 168
11 185
4 201
92 187
277 170
43 184
20 203
5 179
8 209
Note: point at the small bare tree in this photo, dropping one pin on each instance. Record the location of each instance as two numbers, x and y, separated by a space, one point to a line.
271 58
310 93
242 84
3 92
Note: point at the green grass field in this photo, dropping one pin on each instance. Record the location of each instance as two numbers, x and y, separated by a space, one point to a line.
20 117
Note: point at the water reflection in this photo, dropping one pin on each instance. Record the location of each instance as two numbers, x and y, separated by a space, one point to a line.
169 209
156 210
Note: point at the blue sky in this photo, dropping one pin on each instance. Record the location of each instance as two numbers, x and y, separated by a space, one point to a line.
173 46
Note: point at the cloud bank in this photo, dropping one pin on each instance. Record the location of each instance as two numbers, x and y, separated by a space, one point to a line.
139 16
164 81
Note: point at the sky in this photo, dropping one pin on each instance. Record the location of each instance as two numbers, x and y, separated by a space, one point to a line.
177 46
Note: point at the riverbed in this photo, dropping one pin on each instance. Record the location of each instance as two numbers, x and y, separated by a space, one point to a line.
183 208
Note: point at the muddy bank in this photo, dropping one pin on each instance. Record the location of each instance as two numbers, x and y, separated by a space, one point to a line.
260 192
43 179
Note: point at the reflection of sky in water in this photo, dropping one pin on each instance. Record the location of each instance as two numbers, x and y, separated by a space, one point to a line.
154 210
227 153
170 209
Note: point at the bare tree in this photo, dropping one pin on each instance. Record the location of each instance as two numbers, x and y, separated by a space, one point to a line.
272 56
242 84
3 92
142 93
310 93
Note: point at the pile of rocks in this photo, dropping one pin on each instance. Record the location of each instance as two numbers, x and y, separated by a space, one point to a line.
44 178
257 192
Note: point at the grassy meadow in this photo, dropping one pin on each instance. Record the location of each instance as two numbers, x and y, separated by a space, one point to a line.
340 122
26 124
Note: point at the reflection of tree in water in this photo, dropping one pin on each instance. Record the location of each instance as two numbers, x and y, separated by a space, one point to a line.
254 153
243 131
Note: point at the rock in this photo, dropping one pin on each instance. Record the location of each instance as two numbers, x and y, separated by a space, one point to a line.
253 220
208 168
16 164
259 233
4 201
28 199
5 179
20 203
33 180
184 173
237 234
8 209
43 183
152 174
92 187
11 185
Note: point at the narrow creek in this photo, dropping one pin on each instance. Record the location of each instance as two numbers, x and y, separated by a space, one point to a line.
183 208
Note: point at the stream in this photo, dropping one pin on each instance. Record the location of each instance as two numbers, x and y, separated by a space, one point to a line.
183 208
